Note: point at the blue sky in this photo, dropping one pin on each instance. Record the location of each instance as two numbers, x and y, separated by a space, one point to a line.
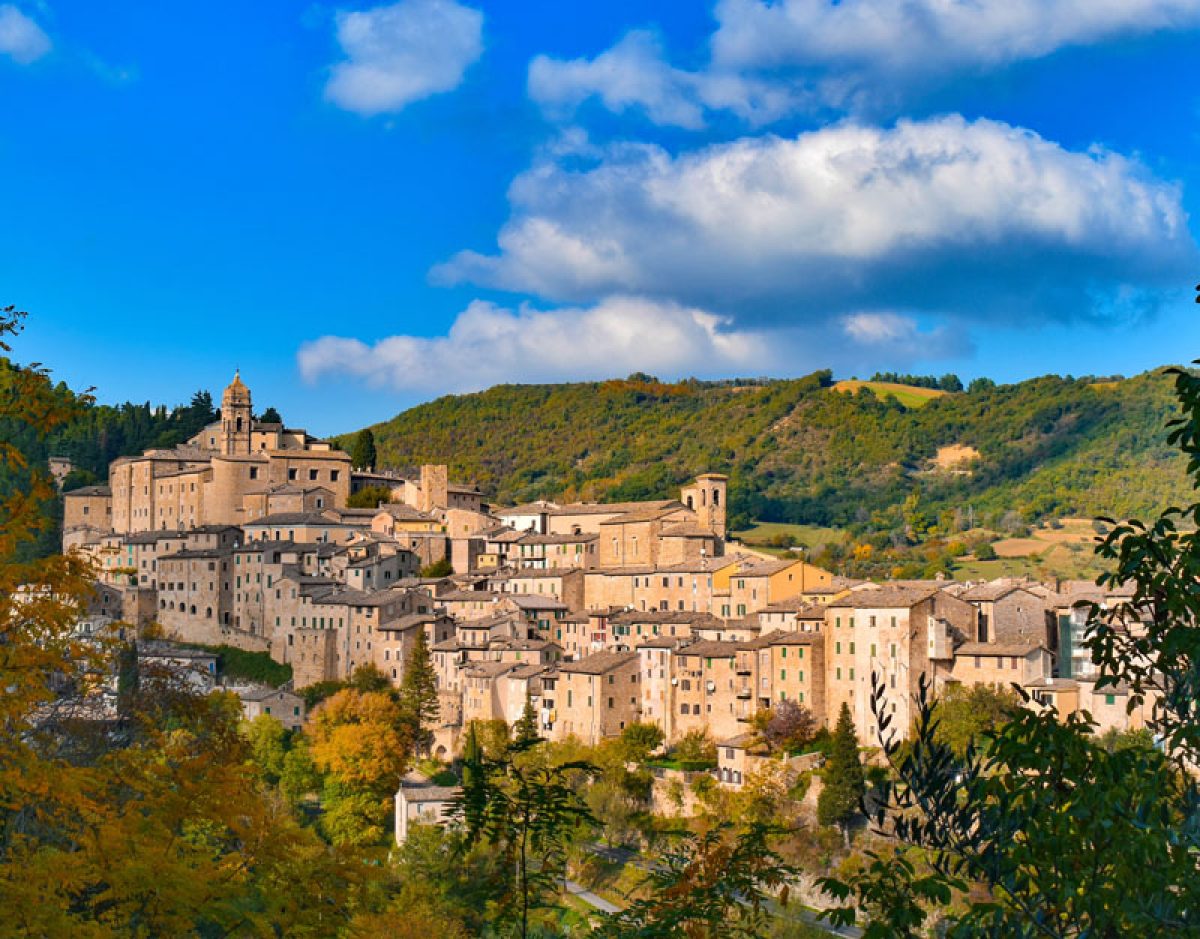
364 207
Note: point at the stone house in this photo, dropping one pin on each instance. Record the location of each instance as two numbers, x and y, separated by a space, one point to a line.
597 696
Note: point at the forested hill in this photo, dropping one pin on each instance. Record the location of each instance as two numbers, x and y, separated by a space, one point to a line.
94 436
802 451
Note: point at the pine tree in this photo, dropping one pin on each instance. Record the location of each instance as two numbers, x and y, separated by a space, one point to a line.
362 452
418 692
525 731
270 416
844 781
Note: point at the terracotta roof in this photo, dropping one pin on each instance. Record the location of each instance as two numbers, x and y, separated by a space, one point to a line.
531 539
403 513
997 648
599 663
526 508
986 593
687 530
532 601
646 513
712 649
610 508
884 598
795 639
311 519
89 491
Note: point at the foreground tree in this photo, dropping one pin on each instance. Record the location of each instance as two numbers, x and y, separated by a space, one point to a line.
843 781
527 812
1067 836
707 886
139 813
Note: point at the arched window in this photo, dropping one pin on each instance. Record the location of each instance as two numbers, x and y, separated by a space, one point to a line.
208 612
716 497
239 425
689 503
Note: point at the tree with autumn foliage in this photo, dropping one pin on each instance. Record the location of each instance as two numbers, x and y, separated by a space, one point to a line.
363 744
139 813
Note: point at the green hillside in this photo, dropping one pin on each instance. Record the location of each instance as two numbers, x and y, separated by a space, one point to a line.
801 451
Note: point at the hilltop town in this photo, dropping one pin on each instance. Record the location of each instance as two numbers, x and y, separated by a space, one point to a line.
601 615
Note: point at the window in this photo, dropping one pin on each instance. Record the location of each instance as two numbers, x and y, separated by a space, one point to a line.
839 674
783 674
871 621
852 674
312 474
254 472
291 474
837 647
852 648
1110 699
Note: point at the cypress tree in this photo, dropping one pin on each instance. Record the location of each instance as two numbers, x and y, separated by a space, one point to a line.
844 781
418 691
525 731
362 453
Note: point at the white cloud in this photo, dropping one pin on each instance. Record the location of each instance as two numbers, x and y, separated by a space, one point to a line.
635 74
902 37
399 54
769 59
20 37
488 344
900 338
942 215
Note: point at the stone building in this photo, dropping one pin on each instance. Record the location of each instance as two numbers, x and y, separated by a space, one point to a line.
228 473
597 696
898 632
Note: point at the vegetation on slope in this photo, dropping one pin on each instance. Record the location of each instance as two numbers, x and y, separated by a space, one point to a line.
799 452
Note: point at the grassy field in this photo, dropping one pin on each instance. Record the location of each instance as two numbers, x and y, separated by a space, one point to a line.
811 536
907 395
1066 551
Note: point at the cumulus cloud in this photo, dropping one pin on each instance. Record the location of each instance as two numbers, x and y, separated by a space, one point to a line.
635 74
927 36
774 57
21 39
488 344
943 215
399 54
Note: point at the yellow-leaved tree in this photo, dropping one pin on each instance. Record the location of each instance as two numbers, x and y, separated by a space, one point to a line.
137 815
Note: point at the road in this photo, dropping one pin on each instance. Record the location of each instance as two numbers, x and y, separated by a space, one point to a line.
593 900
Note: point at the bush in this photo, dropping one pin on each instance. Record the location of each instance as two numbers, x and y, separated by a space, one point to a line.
257 667
985 552
695 747
442 568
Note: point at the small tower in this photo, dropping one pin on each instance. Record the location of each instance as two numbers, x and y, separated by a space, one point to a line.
237 418
706 497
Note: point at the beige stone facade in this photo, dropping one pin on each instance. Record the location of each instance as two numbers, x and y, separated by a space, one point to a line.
597 697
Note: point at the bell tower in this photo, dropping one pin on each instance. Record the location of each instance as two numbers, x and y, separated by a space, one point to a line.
706 497
236 418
